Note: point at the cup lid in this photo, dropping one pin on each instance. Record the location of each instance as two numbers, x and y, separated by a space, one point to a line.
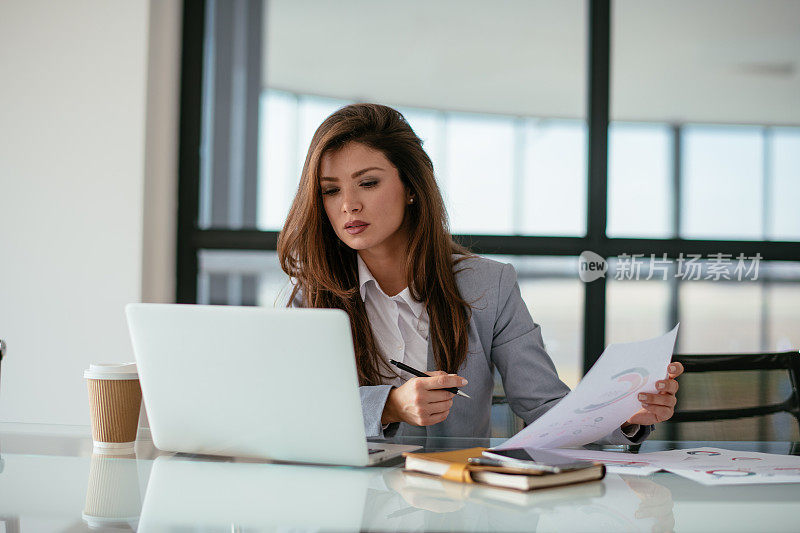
111 371
110 523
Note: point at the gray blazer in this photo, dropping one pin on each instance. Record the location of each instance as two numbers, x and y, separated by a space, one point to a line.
502 335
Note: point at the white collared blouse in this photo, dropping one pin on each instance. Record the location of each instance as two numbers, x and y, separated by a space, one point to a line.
399 324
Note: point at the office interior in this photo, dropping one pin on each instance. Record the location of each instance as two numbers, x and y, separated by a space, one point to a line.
151 149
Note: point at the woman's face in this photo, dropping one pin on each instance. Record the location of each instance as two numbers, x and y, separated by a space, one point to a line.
364 198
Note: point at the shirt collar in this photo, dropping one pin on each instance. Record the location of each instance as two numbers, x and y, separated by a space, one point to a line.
365 276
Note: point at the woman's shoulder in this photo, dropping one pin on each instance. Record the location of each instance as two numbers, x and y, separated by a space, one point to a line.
475 264
475 274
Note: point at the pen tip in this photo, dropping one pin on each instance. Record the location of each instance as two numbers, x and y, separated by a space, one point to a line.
464 394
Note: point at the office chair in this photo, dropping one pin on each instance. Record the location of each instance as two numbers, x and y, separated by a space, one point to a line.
748 391
505 423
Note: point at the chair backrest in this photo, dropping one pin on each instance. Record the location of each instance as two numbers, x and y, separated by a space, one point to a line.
752 396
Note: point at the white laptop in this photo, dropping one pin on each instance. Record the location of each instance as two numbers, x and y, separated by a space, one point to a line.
277 384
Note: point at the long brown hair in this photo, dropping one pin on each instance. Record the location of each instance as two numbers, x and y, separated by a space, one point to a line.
326 271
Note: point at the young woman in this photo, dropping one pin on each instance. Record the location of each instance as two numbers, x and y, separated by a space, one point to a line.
367 233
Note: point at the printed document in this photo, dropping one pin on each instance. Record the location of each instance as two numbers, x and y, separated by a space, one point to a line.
605 398
709 466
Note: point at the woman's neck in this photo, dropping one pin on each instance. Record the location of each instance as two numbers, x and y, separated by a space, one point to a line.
388 267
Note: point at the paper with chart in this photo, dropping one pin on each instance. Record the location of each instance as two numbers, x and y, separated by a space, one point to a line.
715 466
634 464
709 466
605 398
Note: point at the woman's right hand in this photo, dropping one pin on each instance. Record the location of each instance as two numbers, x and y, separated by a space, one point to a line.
419 403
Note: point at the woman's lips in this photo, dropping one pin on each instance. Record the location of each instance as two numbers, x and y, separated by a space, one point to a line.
353 230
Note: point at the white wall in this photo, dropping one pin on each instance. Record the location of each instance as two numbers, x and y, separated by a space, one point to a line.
82 166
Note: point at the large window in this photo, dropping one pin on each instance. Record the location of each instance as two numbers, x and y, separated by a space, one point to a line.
493 170
688 151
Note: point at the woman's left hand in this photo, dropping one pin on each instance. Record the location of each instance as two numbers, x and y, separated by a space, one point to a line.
661 406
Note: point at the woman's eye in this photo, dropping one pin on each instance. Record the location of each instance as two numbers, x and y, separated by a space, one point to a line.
329 192
370 183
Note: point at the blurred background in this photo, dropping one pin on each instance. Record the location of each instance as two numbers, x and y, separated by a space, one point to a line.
703 144
702 156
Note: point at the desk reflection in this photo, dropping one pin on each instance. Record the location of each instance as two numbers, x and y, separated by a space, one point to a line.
398 502
185 493
112 497
45 486
655 502
254 496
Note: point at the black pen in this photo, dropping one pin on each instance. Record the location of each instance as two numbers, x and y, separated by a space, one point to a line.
421 374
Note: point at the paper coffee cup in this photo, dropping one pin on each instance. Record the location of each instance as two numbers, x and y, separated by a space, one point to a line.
113 501
115 399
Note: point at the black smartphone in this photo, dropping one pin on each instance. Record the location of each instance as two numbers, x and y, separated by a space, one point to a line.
542 457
